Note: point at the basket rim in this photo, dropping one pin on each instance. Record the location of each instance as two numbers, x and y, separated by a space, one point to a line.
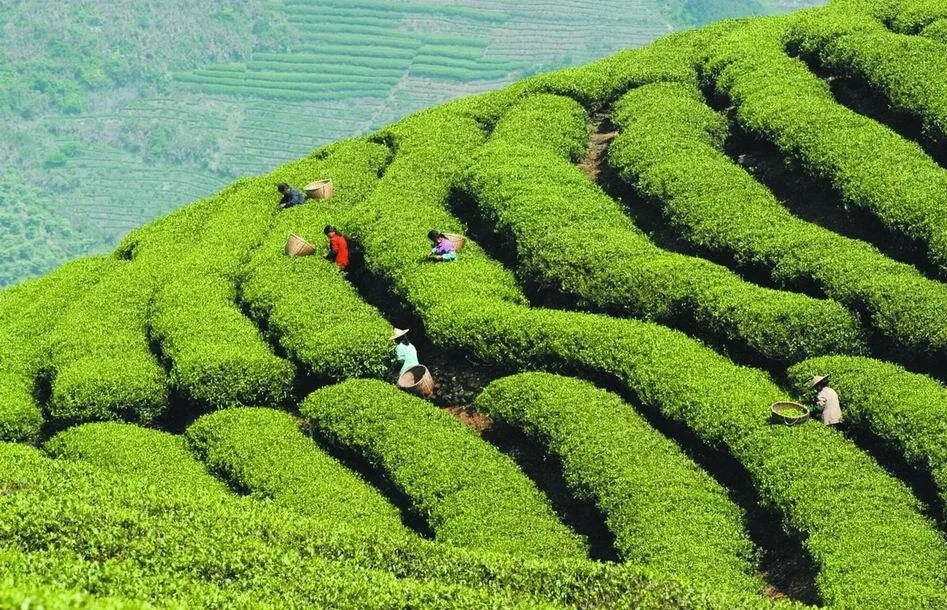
788 403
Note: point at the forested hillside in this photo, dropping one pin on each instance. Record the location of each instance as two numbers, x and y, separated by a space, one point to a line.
112 113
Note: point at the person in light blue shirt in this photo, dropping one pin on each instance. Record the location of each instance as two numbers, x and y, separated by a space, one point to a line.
405 353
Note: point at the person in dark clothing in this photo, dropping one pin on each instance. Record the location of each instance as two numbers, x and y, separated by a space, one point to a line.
291 196
338 247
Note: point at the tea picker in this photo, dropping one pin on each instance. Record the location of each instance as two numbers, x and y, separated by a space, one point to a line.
826 401
445 246
413 376
291 196
338 247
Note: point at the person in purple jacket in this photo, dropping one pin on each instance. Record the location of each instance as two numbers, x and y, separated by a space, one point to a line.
443 249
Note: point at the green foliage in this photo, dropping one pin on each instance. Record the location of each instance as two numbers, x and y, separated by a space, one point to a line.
571 238
664 511
134 452
906 70
724 405
870 167
669 150
30 312
263 452
126 516
217 356
903 409
472 495
102 364
304 302
35 237
130 514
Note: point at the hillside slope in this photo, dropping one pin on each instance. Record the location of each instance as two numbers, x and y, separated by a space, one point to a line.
659 246
112 114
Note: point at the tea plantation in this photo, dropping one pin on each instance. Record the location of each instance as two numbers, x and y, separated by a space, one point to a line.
660 245
102 101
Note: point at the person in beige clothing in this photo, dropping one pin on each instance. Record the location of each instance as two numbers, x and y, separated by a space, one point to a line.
826 401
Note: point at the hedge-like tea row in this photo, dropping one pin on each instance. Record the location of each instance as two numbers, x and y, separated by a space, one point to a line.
664 511
904 409
907 70
905 16
304 302
177 488
598 84
132 451
263 452
870 167
159 533
102 364
669 150
28 312
217 356
27 592
472 495
878 552
572 238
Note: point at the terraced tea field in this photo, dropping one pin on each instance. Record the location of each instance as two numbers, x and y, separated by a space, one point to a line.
116 113
660 245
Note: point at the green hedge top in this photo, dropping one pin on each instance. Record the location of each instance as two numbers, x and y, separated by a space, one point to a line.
664 511
472 495
263 452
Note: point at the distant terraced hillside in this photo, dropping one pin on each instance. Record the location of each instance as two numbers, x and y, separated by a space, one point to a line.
660 245
114 113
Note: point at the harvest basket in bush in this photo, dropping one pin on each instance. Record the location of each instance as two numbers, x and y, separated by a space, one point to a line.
457 240
790 413
417 379
297 246
320 189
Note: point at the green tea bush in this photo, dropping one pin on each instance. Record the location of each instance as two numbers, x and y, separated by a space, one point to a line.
903 409
32 592
598 84
144 525
216 354
868 556
664 511
572 238
102 364
472 495
907 70
305 304
29 312
669 149
263 452
937 31
870 167
905 16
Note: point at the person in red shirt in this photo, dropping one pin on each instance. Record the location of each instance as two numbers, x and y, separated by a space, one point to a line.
338 247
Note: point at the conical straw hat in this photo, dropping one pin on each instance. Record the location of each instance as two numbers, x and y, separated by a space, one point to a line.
817 379
398 332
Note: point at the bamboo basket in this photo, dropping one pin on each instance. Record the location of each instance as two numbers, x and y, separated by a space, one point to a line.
780 412
297 246
457 240
417 379
320 189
